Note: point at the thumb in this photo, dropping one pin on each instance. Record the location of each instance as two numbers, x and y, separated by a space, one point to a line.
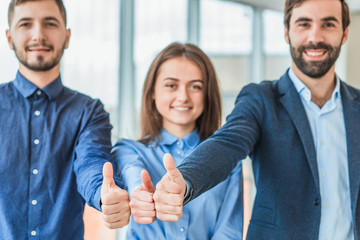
147 183
170 166
108 179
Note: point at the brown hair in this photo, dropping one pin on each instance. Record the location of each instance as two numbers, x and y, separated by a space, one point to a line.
209 121
290 4
14 3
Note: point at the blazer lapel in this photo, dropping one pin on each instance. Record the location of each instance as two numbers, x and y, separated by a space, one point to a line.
292 103
351 107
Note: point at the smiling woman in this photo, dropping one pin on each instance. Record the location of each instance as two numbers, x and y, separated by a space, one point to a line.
180 108
179 95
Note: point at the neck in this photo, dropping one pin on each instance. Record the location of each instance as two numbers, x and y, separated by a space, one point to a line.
40 79
179 131
321 88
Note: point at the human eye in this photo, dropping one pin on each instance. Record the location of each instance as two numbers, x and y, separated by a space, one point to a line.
170 85
303 24
196 87
24 24
329 25
51 24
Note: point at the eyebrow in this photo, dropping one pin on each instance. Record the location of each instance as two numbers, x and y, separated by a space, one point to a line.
325 19
52 19
328 19
303 19
175 79
30 19
23 20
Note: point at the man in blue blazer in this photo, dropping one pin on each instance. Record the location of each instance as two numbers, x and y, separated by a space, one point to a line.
302 133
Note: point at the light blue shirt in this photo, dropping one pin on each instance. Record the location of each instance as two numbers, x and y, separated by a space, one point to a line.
328 131
216 214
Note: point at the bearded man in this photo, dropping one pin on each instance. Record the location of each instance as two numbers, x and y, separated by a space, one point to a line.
302 133
54 142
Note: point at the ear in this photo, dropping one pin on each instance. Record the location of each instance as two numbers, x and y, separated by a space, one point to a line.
345 37
8 37
68 33
287 35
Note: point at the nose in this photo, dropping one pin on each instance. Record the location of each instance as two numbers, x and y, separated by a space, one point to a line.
183 94
38 33
316 34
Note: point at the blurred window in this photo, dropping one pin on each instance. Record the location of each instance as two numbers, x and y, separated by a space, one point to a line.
157 24
274 33
226 27
226 36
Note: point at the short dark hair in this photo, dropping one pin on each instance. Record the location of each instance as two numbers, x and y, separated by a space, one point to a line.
14 3
210 119
290 4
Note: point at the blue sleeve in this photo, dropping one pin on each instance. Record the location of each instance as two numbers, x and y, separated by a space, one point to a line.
214 159
229 224
128 163
92 150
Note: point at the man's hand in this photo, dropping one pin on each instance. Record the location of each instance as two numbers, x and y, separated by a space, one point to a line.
142 202
169 193
115 201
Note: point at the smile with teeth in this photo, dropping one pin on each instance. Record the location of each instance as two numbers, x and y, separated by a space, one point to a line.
315 53
182 108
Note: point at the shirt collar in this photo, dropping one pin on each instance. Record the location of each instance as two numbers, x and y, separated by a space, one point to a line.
305 92
27 88
190 140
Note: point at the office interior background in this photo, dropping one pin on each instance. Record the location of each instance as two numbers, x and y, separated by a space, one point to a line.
113 43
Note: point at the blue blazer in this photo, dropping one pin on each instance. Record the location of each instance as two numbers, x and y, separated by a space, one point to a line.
270 125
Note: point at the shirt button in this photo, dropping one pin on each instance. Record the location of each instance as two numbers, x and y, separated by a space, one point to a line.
35 171
37 113
33 202
178 152
326 238
182 229
323 174
178 143
33 233
326 205
322 142
38 92
36 141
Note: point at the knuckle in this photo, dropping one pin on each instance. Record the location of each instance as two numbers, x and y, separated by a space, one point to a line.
132 204
135 212
106 218
106 211
179 201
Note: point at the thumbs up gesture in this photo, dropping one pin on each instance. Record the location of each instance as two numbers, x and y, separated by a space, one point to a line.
115 201
170 191
142 203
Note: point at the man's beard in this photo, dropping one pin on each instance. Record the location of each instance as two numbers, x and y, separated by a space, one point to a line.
315 69
40 65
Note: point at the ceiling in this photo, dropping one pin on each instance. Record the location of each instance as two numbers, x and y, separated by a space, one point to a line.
279 4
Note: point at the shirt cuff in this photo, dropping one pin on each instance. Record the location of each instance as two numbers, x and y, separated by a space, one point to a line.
188 193
97 199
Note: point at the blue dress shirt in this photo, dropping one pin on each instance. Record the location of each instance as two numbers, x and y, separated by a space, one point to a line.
53 144
328 130
216 214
